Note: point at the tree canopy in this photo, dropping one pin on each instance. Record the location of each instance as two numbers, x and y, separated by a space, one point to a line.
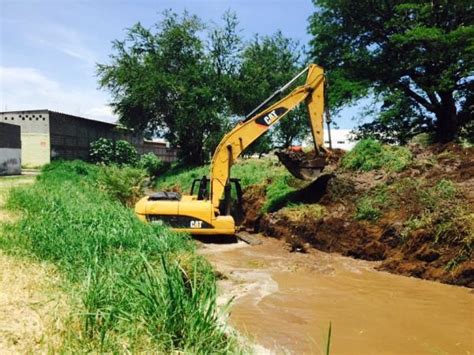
187 82
416 57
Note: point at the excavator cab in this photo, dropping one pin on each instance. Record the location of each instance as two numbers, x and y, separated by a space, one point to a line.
231 204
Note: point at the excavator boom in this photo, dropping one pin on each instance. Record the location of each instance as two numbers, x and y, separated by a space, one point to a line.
258 122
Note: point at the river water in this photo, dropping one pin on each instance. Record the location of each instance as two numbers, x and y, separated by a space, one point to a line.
285 302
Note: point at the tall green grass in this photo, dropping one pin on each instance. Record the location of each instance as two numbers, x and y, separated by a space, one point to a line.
141 287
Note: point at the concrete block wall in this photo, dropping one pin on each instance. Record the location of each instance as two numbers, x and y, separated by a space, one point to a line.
72 135
34 135
160 150
10 149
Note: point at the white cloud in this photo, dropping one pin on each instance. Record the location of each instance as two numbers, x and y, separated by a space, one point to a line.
64 40
25 88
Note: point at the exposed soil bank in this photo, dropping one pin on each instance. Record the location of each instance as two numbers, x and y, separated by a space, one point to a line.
415 229
285 301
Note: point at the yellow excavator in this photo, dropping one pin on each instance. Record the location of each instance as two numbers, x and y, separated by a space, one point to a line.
209 208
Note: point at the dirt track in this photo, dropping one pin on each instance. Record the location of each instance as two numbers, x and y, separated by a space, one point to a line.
31 302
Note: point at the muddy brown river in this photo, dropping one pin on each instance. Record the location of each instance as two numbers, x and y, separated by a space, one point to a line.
285 301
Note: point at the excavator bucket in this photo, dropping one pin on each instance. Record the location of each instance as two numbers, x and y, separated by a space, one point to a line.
305 166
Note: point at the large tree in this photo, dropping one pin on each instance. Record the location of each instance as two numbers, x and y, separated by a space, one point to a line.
164 82
267 63
415 56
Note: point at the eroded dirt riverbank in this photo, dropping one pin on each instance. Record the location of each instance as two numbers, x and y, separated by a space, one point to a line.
285 301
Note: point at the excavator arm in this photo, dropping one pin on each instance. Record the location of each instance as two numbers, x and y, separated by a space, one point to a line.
260 120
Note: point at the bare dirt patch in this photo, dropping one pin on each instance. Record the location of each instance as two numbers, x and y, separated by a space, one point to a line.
31 307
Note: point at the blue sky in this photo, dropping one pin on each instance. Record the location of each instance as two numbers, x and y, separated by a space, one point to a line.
49 48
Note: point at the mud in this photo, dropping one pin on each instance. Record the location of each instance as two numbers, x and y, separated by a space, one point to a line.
338 231
285 302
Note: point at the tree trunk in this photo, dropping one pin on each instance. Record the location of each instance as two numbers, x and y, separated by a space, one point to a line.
446 118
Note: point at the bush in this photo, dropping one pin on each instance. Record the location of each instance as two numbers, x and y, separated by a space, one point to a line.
125 184
153 165
135 294
108 152
370 154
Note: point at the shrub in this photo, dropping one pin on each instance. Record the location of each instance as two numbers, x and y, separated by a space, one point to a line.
125 184
370 154
107 152
153 165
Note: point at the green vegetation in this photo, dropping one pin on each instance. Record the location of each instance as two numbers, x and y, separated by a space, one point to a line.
370 154
139 287
303 212
278 193
124 184
153 165
250 171
370 207
415 57
107 151
280 186
215 75
438 209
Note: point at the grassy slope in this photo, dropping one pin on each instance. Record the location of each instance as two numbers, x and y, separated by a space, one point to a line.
140 287
268 171
250 171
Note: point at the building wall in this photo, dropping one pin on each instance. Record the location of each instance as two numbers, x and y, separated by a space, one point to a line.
160 150
34 135
10 149
48 135
71 136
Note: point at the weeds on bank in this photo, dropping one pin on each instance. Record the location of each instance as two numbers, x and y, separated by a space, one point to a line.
438 209
370 207
249 171
142 287
370 154
303 212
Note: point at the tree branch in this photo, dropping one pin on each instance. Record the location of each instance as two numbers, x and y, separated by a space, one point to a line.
418 98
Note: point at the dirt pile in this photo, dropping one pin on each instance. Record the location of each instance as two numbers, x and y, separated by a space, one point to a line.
418 222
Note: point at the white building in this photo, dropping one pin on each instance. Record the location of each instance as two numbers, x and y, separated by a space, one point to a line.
341 139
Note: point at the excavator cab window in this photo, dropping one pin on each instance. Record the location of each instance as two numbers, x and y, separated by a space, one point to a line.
231 204
203 188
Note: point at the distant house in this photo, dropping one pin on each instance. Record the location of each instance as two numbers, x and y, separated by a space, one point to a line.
48 135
